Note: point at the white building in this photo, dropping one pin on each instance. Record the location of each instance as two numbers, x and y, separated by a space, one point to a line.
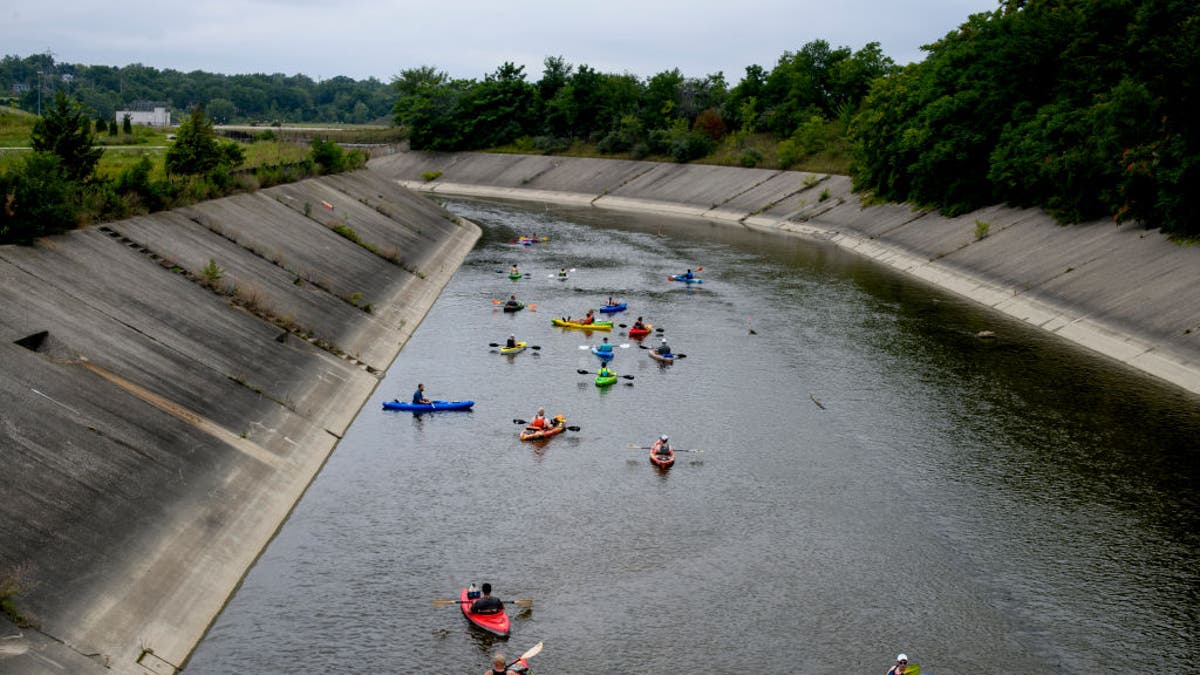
146 114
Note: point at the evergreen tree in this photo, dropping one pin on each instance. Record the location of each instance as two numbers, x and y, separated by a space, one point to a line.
196 150
66 131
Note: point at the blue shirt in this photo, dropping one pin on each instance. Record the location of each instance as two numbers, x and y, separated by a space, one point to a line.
604 347
418 396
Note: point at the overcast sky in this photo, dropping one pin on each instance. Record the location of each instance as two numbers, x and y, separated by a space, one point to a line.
466 38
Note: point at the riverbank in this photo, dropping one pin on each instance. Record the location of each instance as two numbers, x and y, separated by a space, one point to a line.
169 387
1117 290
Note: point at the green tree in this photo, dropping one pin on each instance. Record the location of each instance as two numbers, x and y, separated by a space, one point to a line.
221 110
196 149
328 154
66 131
127 124
37 198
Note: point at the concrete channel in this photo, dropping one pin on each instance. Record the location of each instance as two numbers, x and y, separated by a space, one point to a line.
1125 292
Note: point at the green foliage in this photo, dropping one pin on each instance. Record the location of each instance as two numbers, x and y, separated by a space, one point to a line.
431 175
197 151
66 131
127 124
212 273
135 181
328 155
1082 108
981 229
39 198
101 125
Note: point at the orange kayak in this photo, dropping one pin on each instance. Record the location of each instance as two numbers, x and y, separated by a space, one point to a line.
538 434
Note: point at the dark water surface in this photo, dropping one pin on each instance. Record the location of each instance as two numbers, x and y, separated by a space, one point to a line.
1014 505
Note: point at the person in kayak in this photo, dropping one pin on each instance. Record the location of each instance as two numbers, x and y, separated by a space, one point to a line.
901 665
689 274
486 604
604 347
539 421
661 446
512 302
499 667
611 302
514 269
638 325
589 319
512 342
419 395
604 371
664 348
562 273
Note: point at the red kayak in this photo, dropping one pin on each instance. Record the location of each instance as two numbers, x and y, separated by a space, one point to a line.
661 461
496 624
556 428
635 333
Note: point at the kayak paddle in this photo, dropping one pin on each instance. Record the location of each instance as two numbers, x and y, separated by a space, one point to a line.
587 372
569 428
497 344
443 602
533 651
646 447
678 356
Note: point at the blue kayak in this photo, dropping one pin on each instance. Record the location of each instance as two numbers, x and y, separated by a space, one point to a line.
428 407
609 309
603 355
684 279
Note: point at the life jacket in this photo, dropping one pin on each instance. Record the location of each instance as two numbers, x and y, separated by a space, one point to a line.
538 423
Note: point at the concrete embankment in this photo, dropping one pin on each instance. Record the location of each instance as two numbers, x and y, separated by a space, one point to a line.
1124 292
170 385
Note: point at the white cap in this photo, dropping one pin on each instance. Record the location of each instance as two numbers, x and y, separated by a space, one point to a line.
663 437
902 657
664 341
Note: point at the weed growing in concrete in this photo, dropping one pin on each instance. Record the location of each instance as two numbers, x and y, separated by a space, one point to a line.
431 175
15 582
824 195
212 273
981 229
308 209
810 180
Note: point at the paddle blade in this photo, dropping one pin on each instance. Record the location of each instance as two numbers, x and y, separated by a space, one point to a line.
533 651
521 603
535 346
582 371
493 344
572 428
442 602
497 302
681 356
530 306
631 446
516 421
584 347
621 325
628 377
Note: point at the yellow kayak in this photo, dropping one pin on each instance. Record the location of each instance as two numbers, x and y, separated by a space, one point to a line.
599 325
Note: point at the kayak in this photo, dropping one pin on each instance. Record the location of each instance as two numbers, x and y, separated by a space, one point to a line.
512 351
599 325
693 280
635 333
555 430
428 407
606 381
564 277
496 624
609 309
515 276
514 308
662 461
604 356
667 358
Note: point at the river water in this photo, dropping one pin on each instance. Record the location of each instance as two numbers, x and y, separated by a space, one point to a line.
1012 505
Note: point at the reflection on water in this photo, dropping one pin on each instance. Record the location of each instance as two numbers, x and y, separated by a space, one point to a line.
970 502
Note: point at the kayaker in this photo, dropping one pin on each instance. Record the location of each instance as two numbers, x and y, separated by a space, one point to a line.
499 667
512 342
512 302
661 446
664 348
487 604
562 272
419 395
689 274
539 421
638 325
587 320
604 371
514 269
604 347
611 302
901 665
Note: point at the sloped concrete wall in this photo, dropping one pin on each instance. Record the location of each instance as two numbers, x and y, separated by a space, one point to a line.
1125 292
157 424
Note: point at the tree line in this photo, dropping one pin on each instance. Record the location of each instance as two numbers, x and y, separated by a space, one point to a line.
805 100
55 188
252 98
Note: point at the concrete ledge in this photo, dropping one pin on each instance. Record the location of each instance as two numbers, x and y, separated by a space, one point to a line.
1115 290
